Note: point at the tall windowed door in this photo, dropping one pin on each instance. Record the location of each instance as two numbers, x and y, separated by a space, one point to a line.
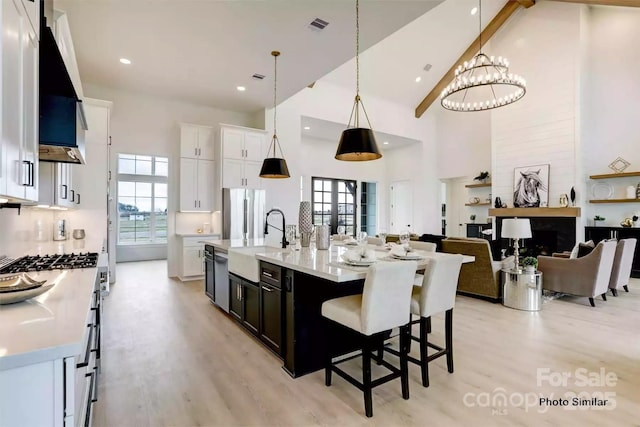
334 203
401 206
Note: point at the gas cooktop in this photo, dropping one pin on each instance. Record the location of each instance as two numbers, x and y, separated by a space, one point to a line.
51 262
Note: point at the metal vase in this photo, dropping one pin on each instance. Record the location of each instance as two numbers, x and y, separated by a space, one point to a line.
323 237
305 239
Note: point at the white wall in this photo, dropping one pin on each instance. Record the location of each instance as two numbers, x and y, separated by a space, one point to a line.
612 127
143 124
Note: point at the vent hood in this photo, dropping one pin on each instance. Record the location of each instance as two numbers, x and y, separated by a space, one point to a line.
62 120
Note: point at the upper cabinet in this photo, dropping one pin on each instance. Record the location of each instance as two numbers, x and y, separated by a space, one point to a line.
196 142
19 151
32 7
242 151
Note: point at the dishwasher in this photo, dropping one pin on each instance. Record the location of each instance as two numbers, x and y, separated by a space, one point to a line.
221 273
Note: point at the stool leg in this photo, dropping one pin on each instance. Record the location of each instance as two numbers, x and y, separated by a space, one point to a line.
410 320
328 361
405 339
366 377
424 367
429 324
448 326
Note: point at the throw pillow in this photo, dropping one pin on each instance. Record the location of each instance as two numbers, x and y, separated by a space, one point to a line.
574 251
585 249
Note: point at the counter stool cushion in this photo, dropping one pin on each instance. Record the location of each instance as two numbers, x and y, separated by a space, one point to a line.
344 310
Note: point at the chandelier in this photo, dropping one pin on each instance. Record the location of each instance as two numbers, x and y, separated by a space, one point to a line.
483 83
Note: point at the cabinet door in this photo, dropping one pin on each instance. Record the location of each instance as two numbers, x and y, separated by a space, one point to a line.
32 8
253 146
271 316
205 143
188 184
67 189
192 261
232 173
233 144
252 174
235 297
30 112
188 141
251 299
206 185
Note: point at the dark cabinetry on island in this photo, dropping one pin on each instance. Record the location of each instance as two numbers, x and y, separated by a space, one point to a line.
245 303
602 233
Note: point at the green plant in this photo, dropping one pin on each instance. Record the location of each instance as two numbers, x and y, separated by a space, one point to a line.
598 218
530 261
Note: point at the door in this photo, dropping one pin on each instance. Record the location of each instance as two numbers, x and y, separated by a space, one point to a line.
253 143
205 143
192 261
457 217
232 173
205 180
188 184
401 206
188 141
252 174
233 144
271 316
235 297
251 299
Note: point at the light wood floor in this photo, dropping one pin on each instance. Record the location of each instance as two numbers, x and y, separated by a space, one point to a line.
171 358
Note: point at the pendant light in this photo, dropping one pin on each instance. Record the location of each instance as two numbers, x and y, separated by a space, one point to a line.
274 167
357 144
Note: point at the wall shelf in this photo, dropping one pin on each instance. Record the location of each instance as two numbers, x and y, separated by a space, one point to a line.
614 175
484 184
616 201
477 204
535 212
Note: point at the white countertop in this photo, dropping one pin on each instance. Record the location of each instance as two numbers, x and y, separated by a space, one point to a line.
237 243
49 326
203 235
318 262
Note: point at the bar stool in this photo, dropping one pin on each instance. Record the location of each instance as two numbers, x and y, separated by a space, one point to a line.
425 247
437 294
383 305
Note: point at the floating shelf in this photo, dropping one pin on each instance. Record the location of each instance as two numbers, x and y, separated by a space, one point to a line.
484 184
535 212
477 204
616 201
614 175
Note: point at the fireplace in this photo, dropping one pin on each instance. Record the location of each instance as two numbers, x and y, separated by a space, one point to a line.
548 235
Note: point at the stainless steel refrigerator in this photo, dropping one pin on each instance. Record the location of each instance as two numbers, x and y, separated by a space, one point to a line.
243 213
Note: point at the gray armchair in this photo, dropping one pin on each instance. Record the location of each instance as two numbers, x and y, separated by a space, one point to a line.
622 265
587 276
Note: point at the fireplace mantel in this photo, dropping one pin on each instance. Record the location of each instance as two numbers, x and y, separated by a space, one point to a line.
572 212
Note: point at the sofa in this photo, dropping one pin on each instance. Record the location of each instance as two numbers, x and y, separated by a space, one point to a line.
482 277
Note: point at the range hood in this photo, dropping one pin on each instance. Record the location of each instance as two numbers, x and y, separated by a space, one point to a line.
62 120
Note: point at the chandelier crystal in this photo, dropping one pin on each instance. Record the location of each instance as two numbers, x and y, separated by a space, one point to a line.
483 83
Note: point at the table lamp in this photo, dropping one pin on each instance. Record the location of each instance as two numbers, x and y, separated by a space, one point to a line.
516 228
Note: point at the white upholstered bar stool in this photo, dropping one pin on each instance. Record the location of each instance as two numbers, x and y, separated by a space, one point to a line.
383 305
425 247
436 295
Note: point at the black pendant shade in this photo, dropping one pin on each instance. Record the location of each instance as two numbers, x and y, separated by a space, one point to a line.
358 145
274 167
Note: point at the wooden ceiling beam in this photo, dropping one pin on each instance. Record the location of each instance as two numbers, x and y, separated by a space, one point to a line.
526 3
488 32
626 3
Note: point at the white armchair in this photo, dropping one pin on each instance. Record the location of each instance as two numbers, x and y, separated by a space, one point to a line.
622 264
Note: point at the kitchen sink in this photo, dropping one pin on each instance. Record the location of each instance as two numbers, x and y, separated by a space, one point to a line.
243 261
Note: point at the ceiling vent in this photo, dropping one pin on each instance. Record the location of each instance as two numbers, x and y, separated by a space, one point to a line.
257 76
318 24
427 67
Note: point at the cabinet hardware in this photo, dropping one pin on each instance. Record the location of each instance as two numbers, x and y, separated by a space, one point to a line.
64 187
78 202
195 152
73 196
267 289
195 203
199 203
87 354
266 273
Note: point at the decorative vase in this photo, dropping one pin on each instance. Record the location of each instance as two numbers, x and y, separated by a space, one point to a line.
564 201
305 223
572 194
530 268
498 203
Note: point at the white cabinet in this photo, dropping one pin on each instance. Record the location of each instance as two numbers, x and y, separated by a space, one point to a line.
242 151
192 258
19 155
197 182
56 185
196 142
32 7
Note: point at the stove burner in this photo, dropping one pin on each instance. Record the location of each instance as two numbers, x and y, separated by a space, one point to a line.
51 262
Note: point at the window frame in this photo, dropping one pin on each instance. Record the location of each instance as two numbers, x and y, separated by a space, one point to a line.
334 213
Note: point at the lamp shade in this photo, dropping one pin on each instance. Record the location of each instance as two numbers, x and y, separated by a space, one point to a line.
516 228
274 167
358 145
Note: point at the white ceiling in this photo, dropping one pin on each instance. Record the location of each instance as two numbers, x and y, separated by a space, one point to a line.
200 50
331 131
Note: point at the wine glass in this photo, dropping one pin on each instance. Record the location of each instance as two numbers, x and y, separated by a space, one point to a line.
382 233
404 237
341 231
362 237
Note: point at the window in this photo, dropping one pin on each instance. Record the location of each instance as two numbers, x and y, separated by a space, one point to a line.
142 199
334 203
369 209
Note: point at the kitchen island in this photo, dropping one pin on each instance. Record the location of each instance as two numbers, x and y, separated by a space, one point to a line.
283 309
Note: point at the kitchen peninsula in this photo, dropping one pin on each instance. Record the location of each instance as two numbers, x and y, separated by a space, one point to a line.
281 305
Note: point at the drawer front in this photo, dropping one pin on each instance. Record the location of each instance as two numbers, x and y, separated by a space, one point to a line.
270 274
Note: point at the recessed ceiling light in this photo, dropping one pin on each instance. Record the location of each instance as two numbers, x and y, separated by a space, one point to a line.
125 61
386 143
307 128
241 88
474 10
418 79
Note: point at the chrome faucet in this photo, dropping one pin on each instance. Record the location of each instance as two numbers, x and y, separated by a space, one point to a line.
266 226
